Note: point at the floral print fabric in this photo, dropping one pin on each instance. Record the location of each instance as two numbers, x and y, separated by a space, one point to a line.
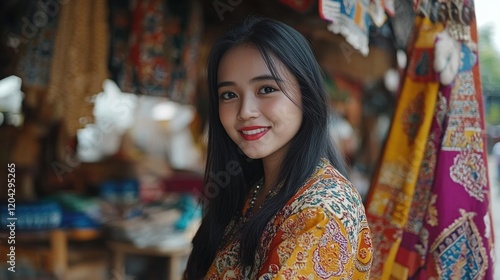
321 233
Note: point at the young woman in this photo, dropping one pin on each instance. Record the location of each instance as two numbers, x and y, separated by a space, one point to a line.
279 204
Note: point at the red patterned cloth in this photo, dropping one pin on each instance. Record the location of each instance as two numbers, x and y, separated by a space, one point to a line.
164 43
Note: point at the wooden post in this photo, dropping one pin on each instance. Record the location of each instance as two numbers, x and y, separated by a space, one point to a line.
59 252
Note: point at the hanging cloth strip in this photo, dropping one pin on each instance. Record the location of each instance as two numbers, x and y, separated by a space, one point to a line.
164 42
350 18
353 18
36 56
149 69
79 63
183 88
36 53
120 21
429 202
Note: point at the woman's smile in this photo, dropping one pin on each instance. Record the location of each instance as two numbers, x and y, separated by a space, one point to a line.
253 133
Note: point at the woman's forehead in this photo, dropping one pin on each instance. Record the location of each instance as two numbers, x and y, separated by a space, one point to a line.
247 61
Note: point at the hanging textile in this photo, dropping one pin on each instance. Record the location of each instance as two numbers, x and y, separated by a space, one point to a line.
402 23
32 41
35 55
184 89
79 64
164 42
119 31
351 19
356 19
429 202
149 68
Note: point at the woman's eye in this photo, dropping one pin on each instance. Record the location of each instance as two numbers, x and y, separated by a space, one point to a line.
266 90
227 95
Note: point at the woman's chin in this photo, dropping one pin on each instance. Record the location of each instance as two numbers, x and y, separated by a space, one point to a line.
253 155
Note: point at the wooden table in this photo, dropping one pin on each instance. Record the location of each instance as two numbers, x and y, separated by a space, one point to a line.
56 249
175 257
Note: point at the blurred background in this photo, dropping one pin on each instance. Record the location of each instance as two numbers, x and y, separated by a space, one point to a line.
489 45
103 109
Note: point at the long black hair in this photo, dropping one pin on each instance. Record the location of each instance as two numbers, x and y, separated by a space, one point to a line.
229 174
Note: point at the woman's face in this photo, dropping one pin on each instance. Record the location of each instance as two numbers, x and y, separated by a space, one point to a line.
254 111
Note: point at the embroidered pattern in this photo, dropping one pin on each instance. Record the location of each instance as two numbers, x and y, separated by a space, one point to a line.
464 116
412 117
423 245
379 242
393 174
364 257
420 69
441 108
420 200
468 170
450 244
332 254
459 250
322 232
432 213
465 84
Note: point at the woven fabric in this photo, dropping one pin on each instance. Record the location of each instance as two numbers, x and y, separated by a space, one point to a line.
80 60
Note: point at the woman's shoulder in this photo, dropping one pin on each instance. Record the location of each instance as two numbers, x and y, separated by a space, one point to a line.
328 189
330 199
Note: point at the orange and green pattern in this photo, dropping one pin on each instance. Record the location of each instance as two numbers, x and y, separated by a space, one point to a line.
321 233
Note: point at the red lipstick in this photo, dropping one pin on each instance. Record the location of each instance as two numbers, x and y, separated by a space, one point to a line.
252 133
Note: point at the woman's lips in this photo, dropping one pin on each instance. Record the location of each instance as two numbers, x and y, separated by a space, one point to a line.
253 133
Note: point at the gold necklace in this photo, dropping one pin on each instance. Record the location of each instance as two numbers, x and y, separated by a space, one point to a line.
255 194
253 199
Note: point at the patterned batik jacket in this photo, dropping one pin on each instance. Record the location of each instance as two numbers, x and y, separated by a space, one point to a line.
321 233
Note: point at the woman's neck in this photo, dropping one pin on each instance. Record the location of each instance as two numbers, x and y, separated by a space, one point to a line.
271 165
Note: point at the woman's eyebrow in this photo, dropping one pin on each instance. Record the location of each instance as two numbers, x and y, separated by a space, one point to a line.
265 78
225 84
254 79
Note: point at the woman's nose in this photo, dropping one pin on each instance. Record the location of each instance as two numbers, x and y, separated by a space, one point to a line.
249 108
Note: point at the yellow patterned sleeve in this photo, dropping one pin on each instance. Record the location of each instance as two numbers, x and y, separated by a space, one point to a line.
313 245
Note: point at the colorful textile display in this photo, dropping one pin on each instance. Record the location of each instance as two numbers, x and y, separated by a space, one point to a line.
150 67
429 203
79 63
350 18
354 18
164 40
35 57
120 21
32 39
